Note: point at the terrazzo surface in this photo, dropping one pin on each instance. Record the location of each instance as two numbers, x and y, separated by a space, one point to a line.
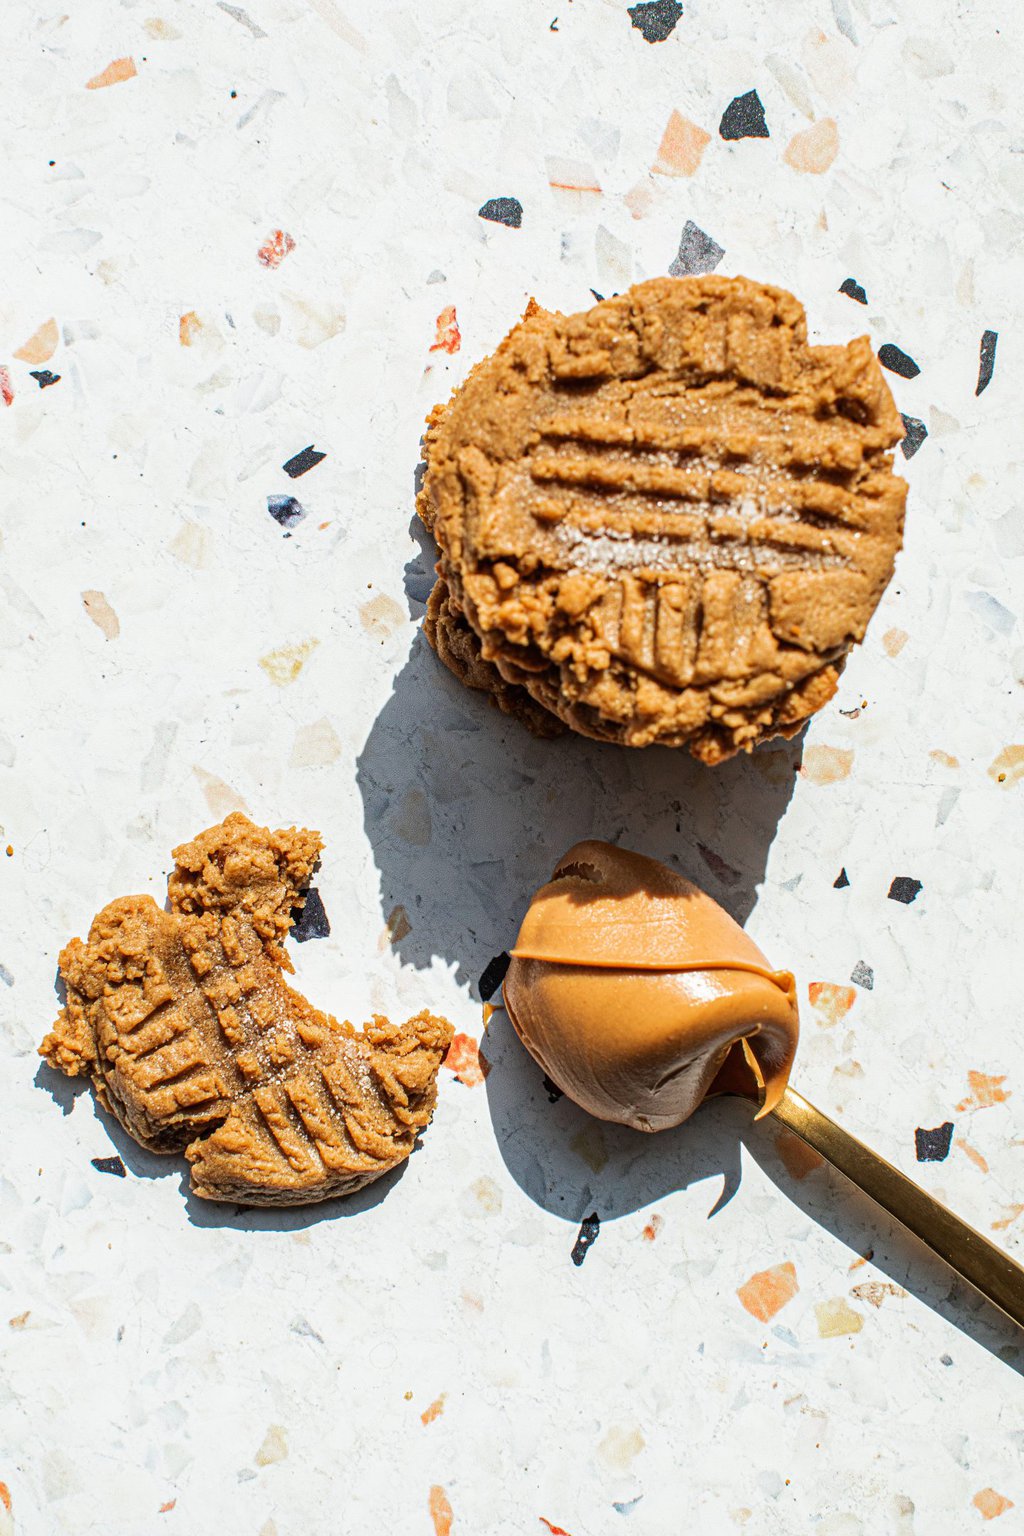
246 249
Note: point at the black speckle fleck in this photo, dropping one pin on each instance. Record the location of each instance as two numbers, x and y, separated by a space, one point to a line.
945 1359
598 296
494 975
656 19
853 290
897 361
916 434
904 889
987 360
308 459
112 1165
589 1229
310 921
698 253
932 1146
503 210
44 378
285 510
552 1090
841 880
743 118
863 976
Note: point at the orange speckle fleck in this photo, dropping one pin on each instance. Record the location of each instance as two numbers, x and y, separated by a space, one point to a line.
5 1497
574 186
814 149
165 1509
556 1530
985 1091
103 616
275 248
945 758
41 345
653 1227
865 1258
189 327
826 765
830 1002
465 1058
440 1511
894 640
472 1302
682 147
769 1290
799 1158
448 337
1008 767
435 1410
115 72
1008 1221
9 850
6 386
639 199
989 1504
974 1155
488 1011
19 1321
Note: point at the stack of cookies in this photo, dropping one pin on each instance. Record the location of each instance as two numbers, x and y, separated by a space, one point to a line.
667 519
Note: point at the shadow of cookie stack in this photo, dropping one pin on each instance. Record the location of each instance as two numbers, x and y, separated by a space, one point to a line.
664 520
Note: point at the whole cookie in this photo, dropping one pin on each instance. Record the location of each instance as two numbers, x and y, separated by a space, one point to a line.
666 519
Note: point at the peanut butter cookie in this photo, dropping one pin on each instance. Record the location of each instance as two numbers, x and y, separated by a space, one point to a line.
667 519
195 1043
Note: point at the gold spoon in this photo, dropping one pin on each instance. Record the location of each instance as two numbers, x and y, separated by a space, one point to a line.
639 996
981 1263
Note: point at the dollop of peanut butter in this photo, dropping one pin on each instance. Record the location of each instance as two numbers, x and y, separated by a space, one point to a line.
639 996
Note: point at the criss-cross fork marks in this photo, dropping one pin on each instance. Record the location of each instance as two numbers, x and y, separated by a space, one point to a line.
686 510
725 512
234 1044
194 1040
666 518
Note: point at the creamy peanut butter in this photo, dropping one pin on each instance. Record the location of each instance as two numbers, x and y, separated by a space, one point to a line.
639 995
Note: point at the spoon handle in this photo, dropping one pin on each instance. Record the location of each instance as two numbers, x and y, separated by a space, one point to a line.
985 1266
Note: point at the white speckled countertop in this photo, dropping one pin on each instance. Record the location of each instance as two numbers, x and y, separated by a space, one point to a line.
232 231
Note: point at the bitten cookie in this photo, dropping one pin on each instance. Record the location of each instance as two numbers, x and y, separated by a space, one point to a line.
666 519
193 1040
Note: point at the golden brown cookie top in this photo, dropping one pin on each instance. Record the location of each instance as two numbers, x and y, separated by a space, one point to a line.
667 514
194 1041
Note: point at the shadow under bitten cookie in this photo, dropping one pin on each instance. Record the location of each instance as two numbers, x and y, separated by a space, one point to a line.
666 519
195 1043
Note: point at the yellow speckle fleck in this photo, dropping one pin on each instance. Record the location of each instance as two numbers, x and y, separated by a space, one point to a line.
396 928
836 1318
1008 767
589 1144
284 665
274 1447
620 1446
